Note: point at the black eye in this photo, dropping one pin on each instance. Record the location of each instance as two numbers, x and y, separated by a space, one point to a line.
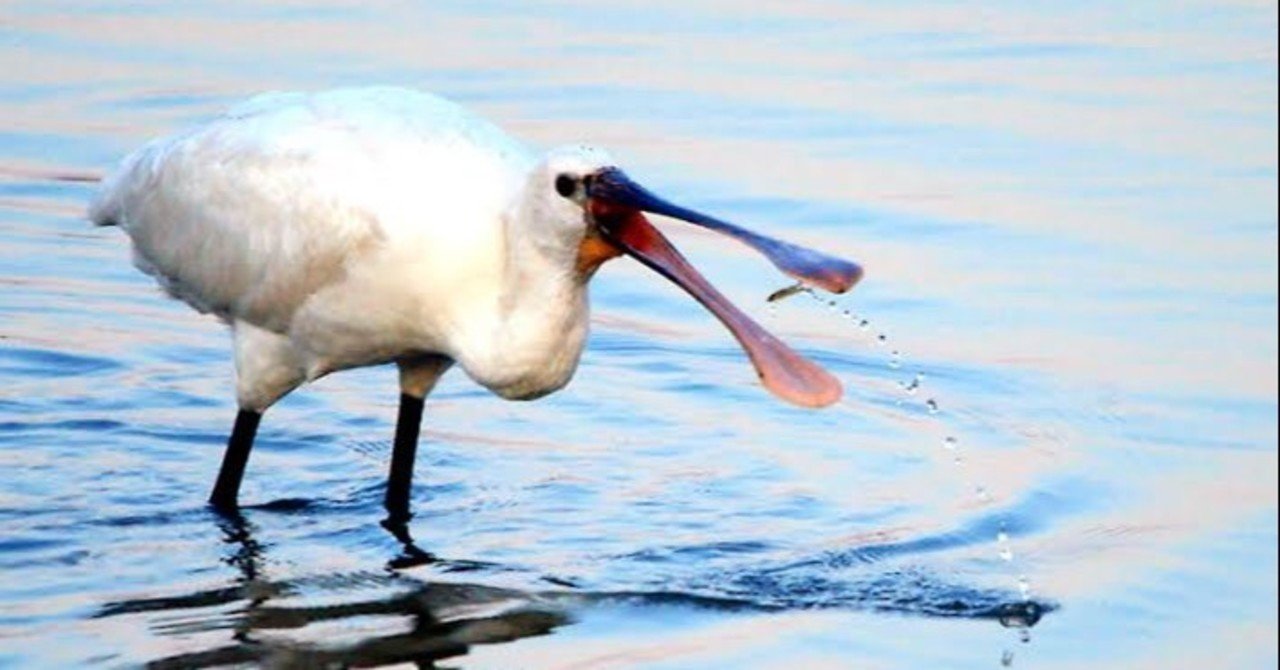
566 185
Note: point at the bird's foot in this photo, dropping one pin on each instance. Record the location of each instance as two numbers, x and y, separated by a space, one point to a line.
412 555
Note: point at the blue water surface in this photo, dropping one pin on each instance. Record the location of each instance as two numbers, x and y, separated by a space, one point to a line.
1057 446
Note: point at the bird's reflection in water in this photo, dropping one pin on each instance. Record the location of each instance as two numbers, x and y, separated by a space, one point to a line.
407 621
379 617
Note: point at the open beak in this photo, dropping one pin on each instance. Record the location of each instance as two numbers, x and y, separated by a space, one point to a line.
615 203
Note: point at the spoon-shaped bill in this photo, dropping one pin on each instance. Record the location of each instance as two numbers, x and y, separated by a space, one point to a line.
612 186
784 372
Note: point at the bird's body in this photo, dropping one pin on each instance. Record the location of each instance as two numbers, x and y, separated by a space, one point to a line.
315 225
365 226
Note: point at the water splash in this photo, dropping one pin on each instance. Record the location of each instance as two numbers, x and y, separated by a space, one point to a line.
1003 545
1021 615
914 385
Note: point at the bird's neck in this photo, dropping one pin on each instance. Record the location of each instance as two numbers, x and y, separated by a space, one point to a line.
541 285
542 313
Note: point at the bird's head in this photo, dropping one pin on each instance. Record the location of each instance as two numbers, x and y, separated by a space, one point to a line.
600 210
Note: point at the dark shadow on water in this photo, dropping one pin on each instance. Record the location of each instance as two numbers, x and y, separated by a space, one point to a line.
429 638
424 621
386 616
411 555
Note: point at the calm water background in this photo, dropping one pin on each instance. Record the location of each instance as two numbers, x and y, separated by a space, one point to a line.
1068 216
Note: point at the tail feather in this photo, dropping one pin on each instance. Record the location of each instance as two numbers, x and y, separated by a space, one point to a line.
101 215
107 206
111 203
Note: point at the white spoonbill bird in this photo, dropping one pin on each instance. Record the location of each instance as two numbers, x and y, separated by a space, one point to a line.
358 227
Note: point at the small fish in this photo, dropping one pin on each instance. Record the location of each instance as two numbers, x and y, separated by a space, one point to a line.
787 292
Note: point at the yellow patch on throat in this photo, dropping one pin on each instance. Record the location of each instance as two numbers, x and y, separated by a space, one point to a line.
593 251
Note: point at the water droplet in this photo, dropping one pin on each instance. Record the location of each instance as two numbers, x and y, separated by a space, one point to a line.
932 405
1006 551
895 359
882 339
982 494
1024 635
1024 587
848 315
864 324
950 443
1006 659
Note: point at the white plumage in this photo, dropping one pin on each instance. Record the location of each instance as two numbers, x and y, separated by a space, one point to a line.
356 227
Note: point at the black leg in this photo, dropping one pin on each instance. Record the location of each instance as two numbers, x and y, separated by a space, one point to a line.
400 479
412 555
227 487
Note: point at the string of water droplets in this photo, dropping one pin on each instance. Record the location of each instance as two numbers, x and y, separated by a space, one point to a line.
1020 616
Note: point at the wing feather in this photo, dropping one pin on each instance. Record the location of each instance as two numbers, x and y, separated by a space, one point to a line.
249 215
